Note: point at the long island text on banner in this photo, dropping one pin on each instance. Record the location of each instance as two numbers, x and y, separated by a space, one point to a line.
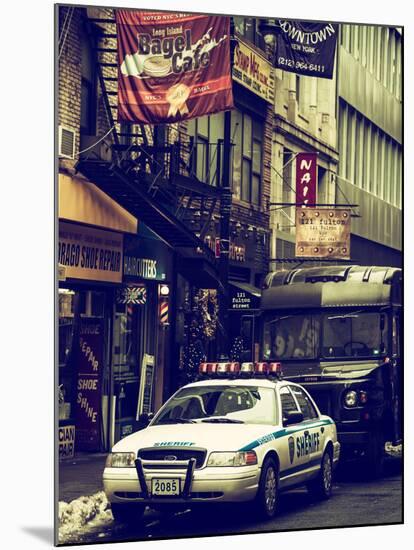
306 48
172 66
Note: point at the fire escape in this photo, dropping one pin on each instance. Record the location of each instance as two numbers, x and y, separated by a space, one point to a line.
152 173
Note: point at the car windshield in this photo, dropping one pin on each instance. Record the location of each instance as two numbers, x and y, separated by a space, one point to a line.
356 334
220 404
291 337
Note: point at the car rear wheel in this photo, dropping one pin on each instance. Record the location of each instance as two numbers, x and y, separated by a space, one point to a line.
127 513
267 499
321 487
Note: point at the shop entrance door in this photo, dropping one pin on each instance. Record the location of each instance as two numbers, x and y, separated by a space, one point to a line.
130 341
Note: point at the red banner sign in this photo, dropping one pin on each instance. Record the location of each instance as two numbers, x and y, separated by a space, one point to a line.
172 66
306 178
88 387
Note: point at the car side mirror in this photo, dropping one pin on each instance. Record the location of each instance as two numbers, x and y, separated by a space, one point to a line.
145 418
292 417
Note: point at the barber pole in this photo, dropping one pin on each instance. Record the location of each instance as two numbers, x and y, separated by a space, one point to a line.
164 312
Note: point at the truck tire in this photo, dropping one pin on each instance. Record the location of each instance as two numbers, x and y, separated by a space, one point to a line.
320 488
130 513
267 498
375 457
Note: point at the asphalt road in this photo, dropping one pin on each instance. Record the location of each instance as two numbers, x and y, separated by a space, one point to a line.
355 501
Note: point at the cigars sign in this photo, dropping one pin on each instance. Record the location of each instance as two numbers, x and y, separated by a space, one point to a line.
253 71
172 66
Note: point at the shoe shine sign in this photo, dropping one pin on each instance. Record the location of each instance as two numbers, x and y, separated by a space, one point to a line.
172 66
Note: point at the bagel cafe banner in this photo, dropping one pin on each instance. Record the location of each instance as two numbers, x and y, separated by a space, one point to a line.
306 48
172 66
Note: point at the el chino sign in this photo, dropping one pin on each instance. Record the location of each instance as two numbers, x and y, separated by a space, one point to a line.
172 66
323 233
253 71
306 48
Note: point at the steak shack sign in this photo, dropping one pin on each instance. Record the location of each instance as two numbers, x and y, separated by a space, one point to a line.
253 71
90 253
172 66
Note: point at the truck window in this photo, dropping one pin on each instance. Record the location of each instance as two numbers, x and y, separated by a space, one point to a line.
357 334
291 337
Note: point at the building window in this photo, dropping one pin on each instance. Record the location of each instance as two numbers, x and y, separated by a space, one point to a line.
247 27
206 132
297 85
88 89
247 136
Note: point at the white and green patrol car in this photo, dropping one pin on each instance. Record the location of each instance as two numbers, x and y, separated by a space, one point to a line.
224 440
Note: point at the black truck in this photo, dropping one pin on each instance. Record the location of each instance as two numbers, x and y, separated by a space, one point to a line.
337 331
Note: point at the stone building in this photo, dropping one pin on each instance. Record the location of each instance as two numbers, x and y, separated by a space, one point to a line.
370 139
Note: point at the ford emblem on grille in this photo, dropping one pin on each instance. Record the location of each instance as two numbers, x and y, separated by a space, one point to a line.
170 457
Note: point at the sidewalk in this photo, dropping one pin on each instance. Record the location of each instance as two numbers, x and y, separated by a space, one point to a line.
81 476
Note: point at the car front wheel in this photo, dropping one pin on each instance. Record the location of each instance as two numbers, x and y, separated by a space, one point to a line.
127 513
267 499
321 487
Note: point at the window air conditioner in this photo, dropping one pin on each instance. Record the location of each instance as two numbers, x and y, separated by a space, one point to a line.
66 143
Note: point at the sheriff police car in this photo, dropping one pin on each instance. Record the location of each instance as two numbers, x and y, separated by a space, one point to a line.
241 435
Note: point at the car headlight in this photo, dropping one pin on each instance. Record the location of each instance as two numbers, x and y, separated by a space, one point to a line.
232 459
120 460
351 398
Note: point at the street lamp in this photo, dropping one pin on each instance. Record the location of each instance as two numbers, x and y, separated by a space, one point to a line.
269 30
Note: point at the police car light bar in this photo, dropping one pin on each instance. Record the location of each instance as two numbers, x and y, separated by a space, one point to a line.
275 369
245 369
261 368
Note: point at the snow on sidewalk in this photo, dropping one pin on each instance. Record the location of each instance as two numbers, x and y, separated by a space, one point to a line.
74 516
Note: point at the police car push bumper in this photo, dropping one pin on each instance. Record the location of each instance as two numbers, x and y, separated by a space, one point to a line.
230 484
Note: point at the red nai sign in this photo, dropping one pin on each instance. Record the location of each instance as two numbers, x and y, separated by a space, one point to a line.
172 66
306 178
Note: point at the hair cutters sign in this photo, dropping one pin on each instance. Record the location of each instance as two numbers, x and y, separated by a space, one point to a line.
306 178
306 48
172 66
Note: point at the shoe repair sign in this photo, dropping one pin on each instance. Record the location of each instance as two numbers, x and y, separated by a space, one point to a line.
172 66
